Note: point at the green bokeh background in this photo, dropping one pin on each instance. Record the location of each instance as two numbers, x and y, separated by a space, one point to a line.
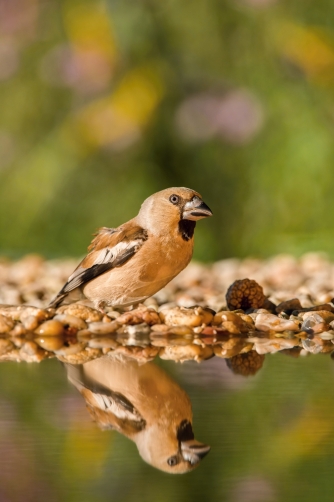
104 102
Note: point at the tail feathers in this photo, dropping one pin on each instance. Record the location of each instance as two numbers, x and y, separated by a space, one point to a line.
57 301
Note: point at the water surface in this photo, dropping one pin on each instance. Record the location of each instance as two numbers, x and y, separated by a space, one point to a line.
271 436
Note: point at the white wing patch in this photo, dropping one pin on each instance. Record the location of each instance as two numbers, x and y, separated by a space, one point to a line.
106 403
108 255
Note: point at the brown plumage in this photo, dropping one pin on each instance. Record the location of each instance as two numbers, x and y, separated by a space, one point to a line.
126 265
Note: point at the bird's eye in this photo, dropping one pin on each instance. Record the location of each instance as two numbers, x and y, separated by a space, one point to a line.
174 199
172 461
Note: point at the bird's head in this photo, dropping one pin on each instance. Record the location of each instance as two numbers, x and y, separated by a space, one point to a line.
175 451
176 207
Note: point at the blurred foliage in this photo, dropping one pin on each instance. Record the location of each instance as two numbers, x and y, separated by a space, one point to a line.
104 102
271 437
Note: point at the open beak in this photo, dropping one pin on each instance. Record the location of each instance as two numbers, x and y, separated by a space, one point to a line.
196 209
193 451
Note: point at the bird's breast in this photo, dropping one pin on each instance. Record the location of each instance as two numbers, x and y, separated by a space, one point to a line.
155 264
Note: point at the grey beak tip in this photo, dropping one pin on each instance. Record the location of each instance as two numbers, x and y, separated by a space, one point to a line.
204 452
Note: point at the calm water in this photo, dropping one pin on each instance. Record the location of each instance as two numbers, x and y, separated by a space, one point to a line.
271 435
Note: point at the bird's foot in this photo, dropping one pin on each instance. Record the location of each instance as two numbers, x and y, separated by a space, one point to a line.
101 305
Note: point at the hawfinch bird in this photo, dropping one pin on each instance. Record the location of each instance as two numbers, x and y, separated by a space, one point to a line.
144 404
126 265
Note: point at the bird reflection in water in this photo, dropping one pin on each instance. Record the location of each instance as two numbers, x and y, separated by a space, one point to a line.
144 404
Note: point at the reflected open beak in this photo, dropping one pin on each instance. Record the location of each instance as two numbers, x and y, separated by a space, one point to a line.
193 451
196 209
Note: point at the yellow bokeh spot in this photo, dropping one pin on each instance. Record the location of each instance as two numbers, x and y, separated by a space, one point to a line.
88 27
306 437
310 48
85 450
121 116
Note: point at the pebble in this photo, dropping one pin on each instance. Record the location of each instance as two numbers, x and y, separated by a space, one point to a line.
314 324
159 328
83 312
71 321
179 316
327 335
5 346
50 343
270 322
18 330
289 306
29 348
30 322
233 323
311 346
50 328
6 324
302 289
270 346
102 342
181 330
181 353
323 314
137 329
140 354
103 328
232 347
81 357
29 312
140 315
70 349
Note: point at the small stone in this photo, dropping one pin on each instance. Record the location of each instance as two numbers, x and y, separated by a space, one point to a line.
29 348
140 354
113 314
180 330
102 342
71 321
83 312
103 328
140 315
18 330
314 323
5 346
327 335
81 357
232 347
159 328
289 306
71 349
312 347
50 328
270 346
231 322
208 331
30 322
270 322
184 316
29 312
6 324
137 329
50 343
326 315
180 353
15 312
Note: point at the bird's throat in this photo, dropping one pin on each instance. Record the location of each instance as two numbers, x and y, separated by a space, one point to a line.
187 228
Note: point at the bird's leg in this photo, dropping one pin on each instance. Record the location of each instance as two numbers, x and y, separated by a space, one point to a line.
100 305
